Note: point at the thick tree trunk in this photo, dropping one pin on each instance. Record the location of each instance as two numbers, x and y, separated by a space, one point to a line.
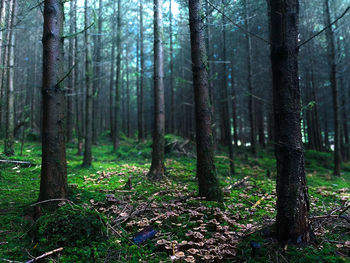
333 81
89 93
10 96
157 167
207 179
292 194
53 182
117 123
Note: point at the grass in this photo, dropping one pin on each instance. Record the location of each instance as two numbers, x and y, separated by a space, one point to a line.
99 223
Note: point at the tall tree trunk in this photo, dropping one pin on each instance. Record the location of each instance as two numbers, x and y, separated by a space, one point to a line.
226 101
10 99
172 91
71 62
97 75
118 80
2 26
157 167
53 183
89 92
140 122
111 80
128 110
292 194
251 107
206 173
333 81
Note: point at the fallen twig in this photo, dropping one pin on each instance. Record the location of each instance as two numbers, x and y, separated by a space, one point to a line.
52 200
45 255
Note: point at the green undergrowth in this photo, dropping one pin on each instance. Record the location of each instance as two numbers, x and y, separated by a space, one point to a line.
102 216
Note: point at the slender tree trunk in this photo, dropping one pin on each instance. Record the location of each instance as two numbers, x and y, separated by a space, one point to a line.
2 26
206 173
172 91
292 223
226 102
118 80
111 80
333 81
140 123
128 110
89 92
157 167
10 98
251 107
53 182
71 57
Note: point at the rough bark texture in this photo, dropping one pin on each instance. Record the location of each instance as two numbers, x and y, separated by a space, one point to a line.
333 81
89 93
206 173
10 96
53 182
292 194
157 167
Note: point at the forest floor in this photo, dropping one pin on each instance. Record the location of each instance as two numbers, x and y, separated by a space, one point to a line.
102 216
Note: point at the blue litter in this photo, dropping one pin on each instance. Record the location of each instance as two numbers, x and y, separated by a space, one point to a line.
144 235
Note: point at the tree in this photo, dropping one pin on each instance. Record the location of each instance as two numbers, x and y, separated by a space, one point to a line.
89 92
157 167
10 98
53 183
140 122
118 80
334 87
292 194
206 173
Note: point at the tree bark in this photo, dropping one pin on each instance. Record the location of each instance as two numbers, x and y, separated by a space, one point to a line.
206 173
118 80
53 183
157 167
292 194
140 123
10 98
333 81
111 80
89 93
172 91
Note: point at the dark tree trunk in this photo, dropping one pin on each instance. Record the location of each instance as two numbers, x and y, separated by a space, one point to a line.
71 81
118 81
157 167
226 102
111 80
206 173
53 183
140 120
251 101
89 93
292 194
333 81
172 91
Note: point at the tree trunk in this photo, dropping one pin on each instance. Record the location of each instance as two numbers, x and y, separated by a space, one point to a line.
111 80
292 193
2 88
89 92
172 91
157 167
333 81
206 173
71 62
226 102
140 121
10 98
251 107
53 182
118 81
